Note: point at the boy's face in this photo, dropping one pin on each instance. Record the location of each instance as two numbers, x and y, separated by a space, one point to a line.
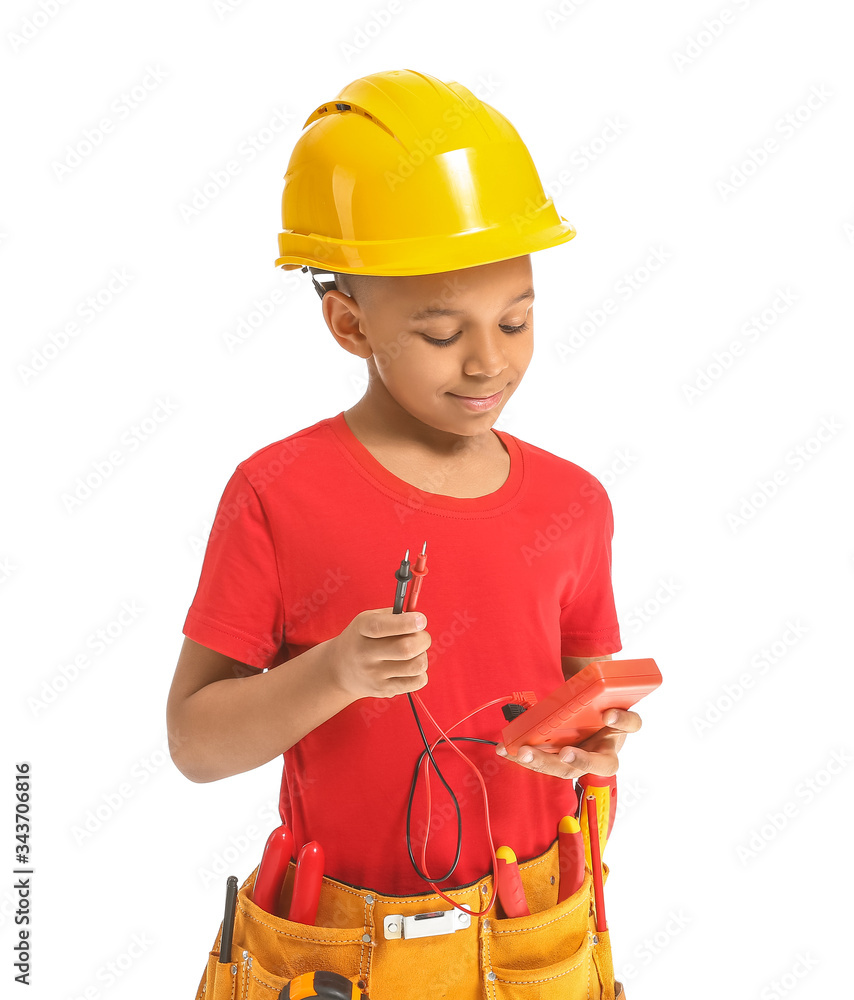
400 322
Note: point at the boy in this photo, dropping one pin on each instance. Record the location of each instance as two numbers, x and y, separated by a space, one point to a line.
290 646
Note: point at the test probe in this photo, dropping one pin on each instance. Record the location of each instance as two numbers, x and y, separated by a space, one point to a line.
403 575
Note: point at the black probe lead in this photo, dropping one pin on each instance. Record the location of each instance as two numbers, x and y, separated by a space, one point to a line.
403 576
418 872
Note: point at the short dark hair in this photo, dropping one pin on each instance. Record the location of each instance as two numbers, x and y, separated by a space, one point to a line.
358 286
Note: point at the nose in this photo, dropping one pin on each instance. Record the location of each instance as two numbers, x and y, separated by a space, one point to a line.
487 353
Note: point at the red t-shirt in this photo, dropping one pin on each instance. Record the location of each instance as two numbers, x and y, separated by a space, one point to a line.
309 532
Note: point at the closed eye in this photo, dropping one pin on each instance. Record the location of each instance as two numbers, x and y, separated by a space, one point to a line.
456 336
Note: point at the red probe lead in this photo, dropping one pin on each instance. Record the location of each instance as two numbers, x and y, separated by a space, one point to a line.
419 570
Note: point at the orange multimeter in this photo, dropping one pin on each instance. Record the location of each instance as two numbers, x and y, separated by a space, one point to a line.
574 711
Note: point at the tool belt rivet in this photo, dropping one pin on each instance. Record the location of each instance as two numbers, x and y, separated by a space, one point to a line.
369 899
491 976
366 938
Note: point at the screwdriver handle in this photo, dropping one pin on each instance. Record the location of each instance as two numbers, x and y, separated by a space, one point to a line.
605 791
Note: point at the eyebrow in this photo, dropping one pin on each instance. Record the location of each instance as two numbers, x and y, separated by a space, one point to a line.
430 311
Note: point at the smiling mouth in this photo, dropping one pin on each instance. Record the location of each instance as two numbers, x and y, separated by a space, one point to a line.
479 397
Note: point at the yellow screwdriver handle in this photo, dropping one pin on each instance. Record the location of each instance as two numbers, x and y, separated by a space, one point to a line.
603 801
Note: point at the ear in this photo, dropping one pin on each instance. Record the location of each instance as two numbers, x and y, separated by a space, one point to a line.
342 315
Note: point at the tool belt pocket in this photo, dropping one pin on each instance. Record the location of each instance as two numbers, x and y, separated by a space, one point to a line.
268 951
519 953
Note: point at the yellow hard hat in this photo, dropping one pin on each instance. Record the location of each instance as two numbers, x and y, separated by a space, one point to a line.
405 174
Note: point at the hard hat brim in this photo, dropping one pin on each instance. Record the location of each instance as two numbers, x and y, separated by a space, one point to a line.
431 255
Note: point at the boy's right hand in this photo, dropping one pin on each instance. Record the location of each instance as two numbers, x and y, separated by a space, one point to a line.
381 654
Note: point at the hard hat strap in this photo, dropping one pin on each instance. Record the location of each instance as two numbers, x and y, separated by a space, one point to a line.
320 287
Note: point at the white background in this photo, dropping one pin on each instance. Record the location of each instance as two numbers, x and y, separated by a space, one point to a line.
709 894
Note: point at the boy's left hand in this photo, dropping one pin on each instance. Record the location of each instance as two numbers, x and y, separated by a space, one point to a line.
595 755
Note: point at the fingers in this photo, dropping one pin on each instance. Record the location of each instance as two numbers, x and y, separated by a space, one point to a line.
404 685
381 622
583 762
624 722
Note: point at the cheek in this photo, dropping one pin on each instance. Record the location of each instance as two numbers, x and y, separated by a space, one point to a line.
523 354
393 356
403 366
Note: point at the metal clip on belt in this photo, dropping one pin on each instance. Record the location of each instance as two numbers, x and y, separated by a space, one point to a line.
422 925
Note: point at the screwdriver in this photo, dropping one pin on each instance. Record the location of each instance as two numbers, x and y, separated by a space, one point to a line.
570 856
308 881
273 868
604 789
598 891
511 892
228 919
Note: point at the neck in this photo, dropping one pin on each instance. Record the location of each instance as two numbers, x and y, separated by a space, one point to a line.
378 417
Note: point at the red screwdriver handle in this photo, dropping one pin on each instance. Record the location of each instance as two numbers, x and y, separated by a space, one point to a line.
274 866
307 882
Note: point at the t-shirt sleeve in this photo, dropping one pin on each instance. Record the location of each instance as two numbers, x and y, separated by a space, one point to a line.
588 619
237 609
